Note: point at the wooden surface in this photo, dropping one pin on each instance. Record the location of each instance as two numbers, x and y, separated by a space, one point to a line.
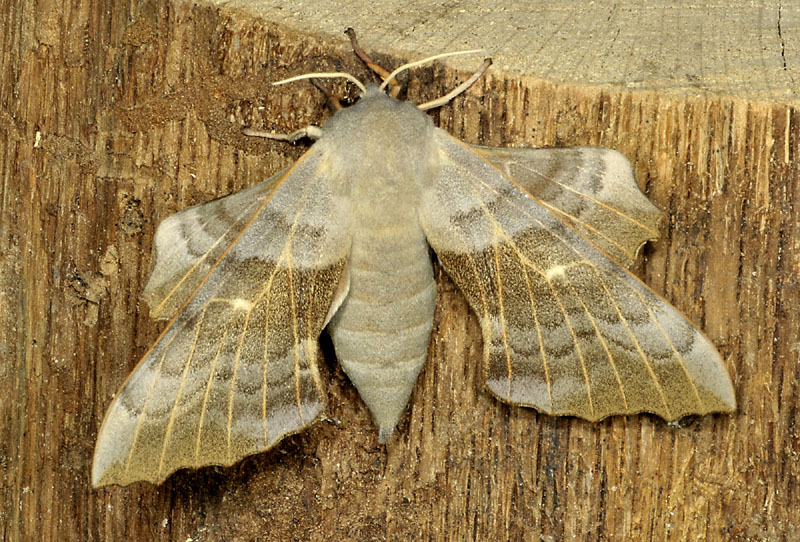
729 47
113 115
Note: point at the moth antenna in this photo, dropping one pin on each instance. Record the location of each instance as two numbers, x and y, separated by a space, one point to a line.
347 76
424 61
458 90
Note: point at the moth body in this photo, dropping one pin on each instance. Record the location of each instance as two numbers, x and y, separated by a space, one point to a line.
382 329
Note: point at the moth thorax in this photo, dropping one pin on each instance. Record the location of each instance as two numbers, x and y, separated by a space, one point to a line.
379 130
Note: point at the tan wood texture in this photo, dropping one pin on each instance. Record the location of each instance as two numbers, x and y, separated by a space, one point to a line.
114 115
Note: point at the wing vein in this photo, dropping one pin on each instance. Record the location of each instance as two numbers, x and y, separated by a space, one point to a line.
635 340
156 376
266 294
600 336
674 350
622 248
498 279
232 388
206 395
545 363
187 365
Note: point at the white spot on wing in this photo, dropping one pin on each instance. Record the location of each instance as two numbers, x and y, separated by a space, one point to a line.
241 304
556 271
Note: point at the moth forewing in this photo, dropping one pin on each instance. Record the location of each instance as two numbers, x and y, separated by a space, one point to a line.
569 331
235 370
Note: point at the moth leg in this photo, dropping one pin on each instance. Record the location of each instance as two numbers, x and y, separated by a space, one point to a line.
458 90
394 89
311 132
333 101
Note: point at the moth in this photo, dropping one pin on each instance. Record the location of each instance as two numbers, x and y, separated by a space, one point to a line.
537 240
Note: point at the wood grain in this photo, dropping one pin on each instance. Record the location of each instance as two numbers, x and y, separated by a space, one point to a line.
113 115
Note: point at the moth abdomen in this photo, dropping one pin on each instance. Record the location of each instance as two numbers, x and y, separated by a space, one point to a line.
382 330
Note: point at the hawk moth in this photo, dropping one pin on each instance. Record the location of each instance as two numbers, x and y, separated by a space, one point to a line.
538 240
